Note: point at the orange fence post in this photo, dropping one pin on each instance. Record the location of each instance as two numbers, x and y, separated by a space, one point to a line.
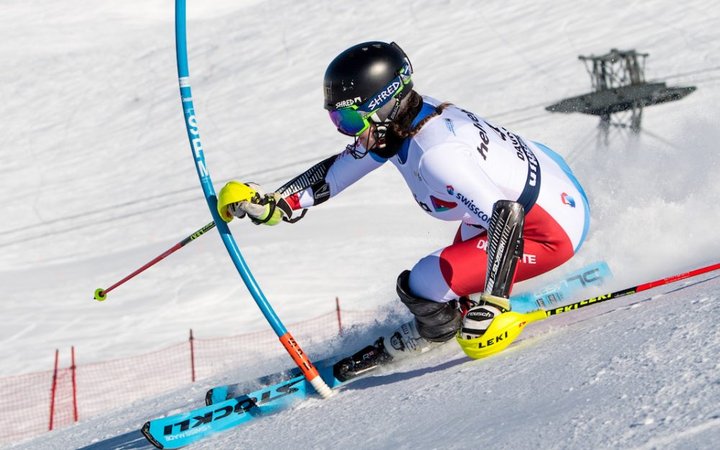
339 318
192 356
74 383
52 389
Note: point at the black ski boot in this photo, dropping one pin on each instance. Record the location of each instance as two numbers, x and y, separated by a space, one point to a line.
362 362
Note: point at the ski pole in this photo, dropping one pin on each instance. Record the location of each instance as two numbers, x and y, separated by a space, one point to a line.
101 294
631 290
507 326
286 339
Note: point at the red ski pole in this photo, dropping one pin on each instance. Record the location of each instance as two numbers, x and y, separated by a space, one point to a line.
632 290
101 294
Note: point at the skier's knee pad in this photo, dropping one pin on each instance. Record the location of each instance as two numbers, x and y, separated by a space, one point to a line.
436 321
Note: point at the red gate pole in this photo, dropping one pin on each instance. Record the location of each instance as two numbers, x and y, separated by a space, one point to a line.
339 318
192 356
52 390
74 382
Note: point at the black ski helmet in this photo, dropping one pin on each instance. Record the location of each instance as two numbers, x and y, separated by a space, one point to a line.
363 71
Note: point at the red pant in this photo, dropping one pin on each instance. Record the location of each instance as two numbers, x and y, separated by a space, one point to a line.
460 268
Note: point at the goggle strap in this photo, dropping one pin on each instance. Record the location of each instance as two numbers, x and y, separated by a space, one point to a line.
396 108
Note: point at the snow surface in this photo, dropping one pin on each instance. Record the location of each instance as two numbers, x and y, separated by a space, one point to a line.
98 179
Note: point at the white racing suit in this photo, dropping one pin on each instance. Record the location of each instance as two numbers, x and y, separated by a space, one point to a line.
457 167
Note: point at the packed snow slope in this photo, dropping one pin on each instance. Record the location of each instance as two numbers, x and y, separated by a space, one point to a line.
98 179
644 376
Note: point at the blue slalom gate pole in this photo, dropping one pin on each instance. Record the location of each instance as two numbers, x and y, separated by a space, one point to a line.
297 354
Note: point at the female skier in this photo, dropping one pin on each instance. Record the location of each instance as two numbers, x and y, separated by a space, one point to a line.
521 210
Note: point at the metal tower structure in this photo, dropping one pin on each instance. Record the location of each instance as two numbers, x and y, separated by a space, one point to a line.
620 92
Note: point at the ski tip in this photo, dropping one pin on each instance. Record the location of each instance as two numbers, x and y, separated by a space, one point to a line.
217 394
145 430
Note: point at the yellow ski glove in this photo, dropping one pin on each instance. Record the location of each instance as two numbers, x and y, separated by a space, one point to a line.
238 199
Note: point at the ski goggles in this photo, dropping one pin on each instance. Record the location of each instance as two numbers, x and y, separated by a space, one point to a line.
353 120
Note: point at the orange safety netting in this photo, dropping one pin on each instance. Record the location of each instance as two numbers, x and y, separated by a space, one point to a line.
27 401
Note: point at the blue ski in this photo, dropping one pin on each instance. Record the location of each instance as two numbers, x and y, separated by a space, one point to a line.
555 294
224 392
184 429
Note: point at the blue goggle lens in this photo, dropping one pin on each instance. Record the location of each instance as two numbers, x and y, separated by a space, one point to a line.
349 121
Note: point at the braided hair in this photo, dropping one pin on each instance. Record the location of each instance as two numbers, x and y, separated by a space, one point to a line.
401 128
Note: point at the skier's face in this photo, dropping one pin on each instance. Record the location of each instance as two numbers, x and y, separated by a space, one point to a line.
367 137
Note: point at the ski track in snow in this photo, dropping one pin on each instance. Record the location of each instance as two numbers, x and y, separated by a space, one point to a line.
98 180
